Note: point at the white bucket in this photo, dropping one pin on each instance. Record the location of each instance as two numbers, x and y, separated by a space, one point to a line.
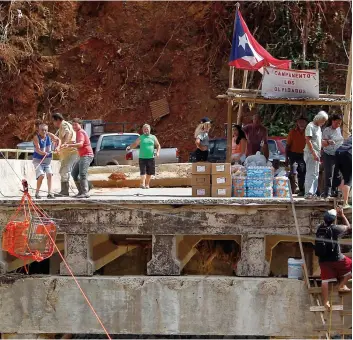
295 270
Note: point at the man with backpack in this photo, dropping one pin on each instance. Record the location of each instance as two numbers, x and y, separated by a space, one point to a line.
333 264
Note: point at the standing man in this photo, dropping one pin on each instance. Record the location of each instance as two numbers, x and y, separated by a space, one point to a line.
332 132
344 166
80 169
295 154
312 151
68 156
333 264
256 134
147 143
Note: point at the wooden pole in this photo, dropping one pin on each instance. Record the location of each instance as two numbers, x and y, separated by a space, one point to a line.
230 104
348 94
229 130
243 86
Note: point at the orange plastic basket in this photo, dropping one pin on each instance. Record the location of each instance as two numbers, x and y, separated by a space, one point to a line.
30 239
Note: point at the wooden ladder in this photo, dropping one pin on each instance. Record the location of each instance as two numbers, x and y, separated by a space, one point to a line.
327 325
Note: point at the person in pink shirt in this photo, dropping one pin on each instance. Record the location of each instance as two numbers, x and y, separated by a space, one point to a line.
80 170
256 134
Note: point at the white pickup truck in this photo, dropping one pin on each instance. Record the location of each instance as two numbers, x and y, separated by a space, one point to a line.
111 150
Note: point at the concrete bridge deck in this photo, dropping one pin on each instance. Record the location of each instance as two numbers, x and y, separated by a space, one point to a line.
175 223
249 305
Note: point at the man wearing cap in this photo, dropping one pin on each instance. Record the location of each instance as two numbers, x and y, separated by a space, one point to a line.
295 154
202 139
333 264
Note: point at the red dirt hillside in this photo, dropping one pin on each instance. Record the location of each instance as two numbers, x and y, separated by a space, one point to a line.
109 60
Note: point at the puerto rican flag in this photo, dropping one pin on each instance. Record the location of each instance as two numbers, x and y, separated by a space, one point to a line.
247 53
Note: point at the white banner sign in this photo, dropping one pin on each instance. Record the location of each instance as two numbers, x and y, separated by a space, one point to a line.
279 83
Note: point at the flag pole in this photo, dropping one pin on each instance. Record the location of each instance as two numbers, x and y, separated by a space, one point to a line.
230 103
348 95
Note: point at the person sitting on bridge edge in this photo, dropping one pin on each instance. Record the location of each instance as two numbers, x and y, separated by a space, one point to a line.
202 139
332 178
147 163
343 163
312 151
333 264
239 144
257 136
295 154
68 156
42 157
80 169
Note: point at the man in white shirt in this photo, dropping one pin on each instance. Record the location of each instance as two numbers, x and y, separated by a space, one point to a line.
313 140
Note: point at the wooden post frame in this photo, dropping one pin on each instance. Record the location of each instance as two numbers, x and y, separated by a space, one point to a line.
229 130
348 94
243 86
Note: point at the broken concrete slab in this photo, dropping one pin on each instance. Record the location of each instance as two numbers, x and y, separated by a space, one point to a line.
157 305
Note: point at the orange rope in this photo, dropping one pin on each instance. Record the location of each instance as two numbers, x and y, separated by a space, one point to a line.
68 268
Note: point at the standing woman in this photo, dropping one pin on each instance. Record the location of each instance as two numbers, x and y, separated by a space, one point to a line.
80 169
202 139
42 157
332 132
239 145
147 143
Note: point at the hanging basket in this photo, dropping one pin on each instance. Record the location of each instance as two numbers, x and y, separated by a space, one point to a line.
34 237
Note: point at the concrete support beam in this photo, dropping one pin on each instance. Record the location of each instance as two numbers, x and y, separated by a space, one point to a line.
77 255
107 252
253 261
186 248
203 305
21 336
164 258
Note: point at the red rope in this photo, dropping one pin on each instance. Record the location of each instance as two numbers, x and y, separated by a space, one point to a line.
36 209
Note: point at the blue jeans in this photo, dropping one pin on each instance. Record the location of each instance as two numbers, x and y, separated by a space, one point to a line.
312 174
80 169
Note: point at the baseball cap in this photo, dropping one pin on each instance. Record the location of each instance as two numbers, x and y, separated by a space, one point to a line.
330 216
205 120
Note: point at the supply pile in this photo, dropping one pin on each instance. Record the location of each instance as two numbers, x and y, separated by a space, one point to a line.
201 179
221 180
211 180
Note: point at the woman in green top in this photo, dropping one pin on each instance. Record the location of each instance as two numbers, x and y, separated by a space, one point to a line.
147 143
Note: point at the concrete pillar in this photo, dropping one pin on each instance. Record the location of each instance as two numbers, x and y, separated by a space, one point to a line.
164 257
253 261
3 262
77 255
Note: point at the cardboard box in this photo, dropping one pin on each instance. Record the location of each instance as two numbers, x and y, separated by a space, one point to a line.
221 191
201 191
200 180
224 180
221 169
201 168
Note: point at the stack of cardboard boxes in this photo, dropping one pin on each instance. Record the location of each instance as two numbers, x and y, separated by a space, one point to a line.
201 179
211 179
221 180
